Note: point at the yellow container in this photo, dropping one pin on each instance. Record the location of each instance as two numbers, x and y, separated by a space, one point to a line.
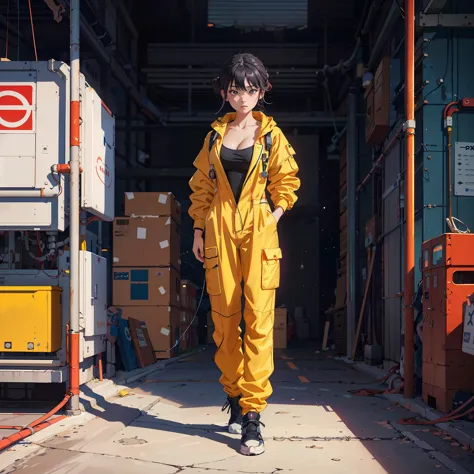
30 318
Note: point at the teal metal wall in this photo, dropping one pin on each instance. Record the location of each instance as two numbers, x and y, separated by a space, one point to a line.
449 56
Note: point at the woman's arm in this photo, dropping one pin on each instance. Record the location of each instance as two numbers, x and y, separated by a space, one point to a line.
203 188
282 174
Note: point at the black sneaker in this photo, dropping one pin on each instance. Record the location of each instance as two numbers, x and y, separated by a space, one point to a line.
252 442
235 422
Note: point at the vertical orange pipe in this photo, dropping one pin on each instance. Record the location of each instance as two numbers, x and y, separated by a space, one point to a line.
74 364
409 280
100 366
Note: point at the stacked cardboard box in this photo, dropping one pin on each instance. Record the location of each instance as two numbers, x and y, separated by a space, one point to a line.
280 328
189 319
146 267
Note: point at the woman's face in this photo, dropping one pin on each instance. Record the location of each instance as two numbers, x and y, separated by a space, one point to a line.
243 101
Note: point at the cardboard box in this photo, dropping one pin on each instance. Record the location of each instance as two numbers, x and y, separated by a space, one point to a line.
189 317
146 286
280 336
188 323
184 341
146 242
281 316
188 295
152 204
163 324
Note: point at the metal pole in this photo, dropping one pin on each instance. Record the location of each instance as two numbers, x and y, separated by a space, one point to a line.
11 250
351 168
74 224
409 281
99 238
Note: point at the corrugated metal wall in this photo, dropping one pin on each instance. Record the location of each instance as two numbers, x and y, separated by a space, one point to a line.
258 13
392 256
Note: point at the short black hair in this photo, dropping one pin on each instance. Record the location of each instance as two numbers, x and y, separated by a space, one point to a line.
237 69
240 67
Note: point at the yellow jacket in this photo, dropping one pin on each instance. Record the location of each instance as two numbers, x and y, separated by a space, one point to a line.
282 174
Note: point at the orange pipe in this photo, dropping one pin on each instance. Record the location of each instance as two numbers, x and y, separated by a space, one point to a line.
25 432
67 342
75 122
409 280
101 371
448 112
74 363
64 168
52 412
448 106
34 426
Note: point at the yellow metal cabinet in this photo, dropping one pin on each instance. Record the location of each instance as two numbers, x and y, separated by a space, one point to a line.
30 318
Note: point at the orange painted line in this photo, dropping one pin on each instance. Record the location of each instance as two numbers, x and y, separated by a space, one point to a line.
292 366
303 379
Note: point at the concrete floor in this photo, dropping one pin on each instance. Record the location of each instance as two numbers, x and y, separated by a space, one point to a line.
171 422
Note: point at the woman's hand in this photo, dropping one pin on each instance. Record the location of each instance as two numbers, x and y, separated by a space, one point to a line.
198 245
277 213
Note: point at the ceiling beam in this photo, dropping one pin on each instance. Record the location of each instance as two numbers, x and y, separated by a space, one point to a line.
434 6
209 54
319 120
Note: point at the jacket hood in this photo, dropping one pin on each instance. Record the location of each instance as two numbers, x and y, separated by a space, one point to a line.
268 124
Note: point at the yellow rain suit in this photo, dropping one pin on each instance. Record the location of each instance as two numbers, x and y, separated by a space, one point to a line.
241 244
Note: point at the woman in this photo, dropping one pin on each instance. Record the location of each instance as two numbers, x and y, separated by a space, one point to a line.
235 236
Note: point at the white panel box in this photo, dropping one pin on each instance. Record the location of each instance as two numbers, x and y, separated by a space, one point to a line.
34 126
34 136
97 156
93 294
91 346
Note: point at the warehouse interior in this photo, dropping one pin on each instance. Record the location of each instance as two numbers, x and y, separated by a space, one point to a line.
338 72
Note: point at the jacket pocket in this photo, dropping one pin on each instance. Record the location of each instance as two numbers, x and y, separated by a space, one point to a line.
211 265
271 268
271 217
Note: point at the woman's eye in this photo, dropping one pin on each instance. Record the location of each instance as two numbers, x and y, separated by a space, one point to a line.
252 91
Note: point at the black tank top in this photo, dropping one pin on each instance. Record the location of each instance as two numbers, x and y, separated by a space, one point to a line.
236 164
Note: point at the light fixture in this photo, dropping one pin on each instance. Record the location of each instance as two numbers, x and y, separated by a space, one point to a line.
142 157
367 79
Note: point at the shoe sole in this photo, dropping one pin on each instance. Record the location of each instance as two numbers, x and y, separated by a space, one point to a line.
252 450
235 428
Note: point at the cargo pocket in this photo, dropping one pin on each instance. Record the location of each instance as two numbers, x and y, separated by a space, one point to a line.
211 265
271 268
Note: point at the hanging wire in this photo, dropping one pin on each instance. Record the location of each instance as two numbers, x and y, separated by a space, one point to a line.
446 70
7 29
18 29
33 30
402 9
328 95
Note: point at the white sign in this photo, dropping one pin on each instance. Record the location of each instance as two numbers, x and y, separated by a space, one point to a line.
463 169
468 332
16 107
